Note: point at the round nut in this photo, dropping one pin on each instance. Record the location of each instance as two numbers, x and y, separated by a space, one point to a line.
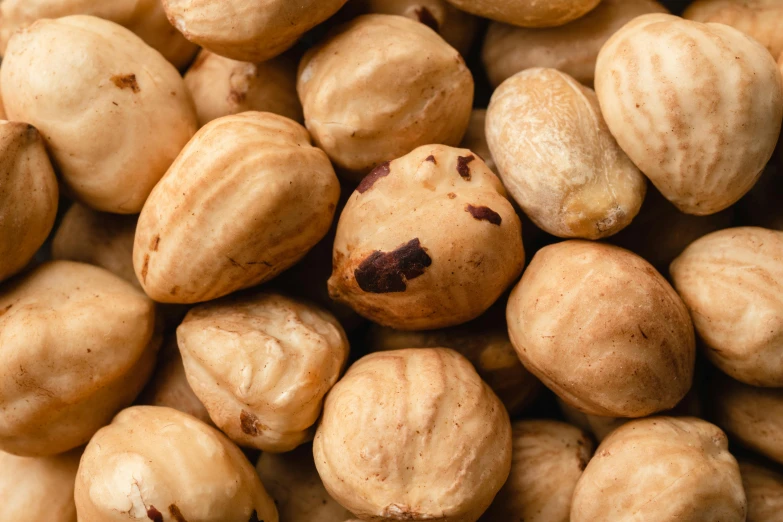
28 196
426 241
78 344
246 199
412 89
697 107
475 138
113 112
764 489
630 355
161 464
528 13
730 281
557 158
664 469
413 435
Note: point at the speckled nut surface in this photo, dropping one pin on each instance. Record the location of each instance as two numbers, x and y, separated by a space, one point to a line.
602 329
528 13
571 48
413 435
262 366
113 112
28 196
159 464
475 138
760 19
257 197
412 89
732 283
426 241
78 344
660 78
221 86
663 469
547 460
764 489
558 159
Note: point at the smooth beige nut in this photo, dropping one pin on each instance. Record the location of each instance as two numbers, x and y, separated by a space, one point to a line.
246 199
28 196
548 459
764 489
113 112
413 435
602 329
222 86
426 241
164 465
528 13
697 107
732 283
77 343
663 469
475 138
412 89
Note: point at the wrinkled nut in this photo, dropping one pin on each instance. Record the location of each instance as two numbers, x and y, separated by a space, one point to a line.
547 460
571 48
413 435
660 78
557 158
764 489
262 366
426 241
664 469
732 283
246 199
113 112
28 196
633 353
412 89
222 86
78 344
475 138
164 465
528 13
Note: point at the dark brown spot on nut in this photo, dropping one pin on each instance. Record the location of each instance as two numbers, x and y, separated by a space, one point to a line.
425 16
385 272
451 195
236 96
381 171
484 214
145 268
174 290
176 514
154 515
432 159
463 167
126 81
250 424
154 244
254 517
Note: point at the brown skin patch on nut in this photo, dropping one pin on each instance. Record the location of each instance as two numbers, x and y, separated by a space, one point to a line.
432 159
126 81
451 195
174 290
154 244
463 167
387 272
237 97
154 515
254 517
381 171
4 310
425 16
145 268
484 214
250 424
176 514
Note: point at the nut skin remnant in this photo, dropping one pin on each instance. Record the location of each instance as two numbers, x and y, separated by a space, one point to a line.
764 489
528 13
475 138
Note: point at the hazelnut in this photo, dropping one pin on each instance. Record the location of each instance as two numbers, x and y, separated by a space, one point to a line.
161 464
600 427
528 13
697 107
475 138
413 435
246 199
113 112
764 489
426 241
412 89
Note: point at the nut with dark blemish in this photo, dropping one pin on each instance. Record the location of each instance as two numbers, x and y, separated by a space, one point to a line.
426 17
154 515
155 243
176 514
126 81
250 424
386 272
482 213
377 173
432 159
254 517
145 268
463 167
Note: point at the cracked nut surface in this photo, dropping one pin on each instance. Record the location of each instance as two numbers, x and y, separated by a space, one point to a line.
528 13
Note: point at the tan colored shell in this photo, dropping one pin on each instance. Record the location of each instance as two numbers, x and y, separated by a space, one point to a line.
602 329
257 197
164 465
528 13
732 283
28 196
113 112
558 159
412 89
78 344
547 460
664 469
764 489
222 86
697 107
475 138
426 241
413 435
571 48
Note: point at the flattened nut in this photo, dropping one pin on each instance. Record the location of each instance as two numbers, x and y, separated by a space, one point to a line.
764 489
528 13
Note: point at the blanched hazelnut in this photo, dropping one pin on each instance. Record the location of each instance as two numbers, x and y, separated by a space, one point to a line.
413 435
475 138
764 489
528 13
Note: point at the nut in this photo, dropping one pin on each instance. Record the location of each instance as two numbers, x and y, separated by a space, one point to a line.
730 282
764 489
697 107
426 241
234 227
599 427
78 345
557 158
412 89
760 19
662 469
602 329
528 13
413 435
114 119
262 366
161 464
475 138
28 196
